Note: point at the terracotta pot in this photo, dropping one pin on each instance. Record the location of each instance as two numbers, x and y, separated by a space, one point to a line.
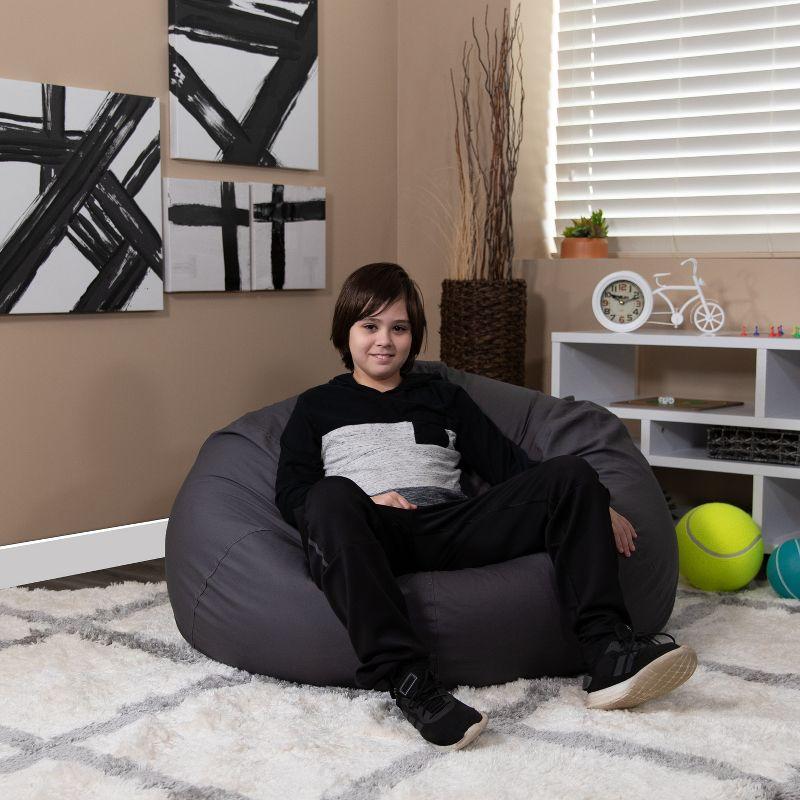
584 247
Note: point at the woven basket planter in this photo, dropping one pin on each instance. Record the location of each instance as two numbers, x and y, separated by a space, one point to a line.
483 327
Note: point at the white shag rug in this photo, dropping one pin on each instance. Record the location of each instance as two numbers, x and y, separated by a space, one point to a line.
101 698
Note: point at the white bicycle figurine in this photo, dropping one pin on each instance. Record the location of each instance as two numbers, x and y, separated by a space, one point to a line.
623 302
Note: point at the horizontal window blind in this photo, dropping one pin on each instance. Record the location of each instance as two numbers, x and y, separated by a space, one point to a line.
681 120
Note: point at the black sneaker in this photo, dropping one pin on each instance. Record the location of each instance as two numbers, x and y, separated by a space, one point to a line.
635 667
447 723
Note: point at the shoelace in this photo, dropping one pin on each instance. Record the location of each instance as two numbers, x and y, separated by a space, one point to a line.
633 641
430 694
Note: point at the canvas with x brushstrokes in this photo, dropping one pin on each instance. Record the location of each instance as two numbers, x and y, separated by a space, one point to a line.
232 236
243 82
80 200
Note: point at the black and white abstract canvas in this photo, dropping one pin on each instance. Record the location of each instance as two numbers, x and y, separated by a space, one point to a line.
243 81
80 200
288 236
207 236
226 236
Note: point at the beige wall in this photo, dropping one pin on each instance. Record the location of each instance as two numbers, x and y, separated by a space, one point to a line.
102 415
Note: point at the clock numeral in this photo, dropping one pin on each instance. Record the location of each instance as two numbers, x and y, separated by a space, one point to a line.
620 301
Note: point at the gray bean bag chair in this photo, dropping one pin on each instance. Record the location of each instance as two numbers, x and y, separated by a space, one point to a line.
242 595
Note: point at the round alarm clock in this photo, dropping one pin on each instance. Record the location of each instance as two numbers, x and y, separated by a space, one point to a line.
622 301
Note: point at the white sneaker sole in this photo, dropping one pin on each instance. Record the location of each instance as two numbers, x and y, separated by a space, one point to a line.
470 735
653 680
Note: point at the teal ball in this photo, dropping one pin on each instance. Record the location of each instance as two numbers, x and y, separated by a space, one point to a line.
783 569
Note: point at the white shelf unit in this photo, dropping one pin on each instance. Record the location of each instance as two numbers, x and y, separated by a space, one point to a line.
601 367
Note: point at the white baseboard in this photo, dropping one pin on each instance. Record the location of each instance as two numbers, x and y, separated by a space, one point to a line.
75 553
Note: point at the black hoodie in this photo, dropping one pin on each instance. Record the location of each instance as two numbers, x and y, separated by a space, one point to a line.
413 439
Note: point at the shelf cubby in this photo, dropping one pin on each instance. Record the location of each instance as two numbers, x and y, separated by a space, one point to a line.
602 367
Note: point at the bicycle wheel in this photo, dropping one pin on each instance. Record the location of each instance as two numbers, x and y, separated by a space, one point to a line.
709 318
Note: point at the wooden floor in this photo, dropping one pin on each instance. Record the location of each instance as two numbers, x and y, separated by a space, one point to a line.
144 572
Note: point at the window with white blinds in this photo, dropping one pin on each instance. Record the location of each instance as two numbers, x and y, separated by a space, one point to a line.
681 120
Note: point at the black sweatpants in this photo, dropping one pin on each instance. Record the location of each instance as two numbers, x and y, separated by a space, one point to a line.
356 548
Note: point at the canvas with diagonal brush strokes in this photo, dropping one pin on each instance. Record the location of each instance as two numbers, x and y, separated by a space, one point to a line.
80 200
243 82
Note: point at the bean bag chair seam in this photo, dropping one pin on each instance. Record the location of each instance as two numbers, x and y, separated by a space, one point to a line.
216 567
246 420
587 408
526 426
265 432
249 490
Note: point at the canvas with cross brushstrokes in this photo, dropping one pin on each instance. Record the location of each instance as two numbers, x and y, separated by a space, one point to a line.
235 237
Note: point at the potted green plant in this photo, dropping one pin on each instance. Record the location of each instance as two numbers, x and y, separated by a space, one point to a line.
587 237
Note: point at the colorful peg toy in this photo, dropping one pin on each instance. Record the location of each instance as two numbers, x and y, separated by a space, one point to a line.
773 331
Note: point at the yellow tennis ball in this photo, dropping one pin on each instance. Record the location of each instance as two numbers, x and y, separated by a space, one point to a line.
720 548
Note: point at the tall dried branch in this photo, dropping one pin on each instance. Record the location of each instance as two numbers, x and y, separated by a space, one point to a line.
487 168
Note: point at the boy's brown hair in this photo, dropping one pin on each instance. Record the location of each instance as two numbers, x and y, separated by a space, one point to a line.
366 292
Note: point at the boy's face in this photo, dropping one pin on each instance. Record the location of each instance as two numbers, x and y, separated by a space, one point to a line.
388 332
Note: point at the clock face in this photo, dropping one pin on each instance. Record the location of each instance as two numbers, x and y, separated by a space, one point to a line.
622 301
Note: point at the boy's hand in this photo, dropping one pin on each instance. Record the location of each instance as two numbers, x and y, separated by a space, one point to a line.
624 533
393 499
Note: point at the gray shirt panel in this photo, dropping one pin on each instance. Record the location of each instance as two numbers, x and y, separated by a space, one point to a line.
382 456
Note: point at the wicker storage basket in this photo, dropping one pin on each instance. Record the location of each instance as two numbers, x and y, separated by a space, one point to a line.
483 327
753 444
